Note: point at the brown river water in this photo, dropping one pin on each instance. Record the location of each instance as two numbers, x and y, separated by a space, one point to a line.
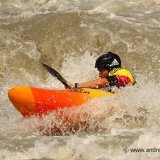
70 35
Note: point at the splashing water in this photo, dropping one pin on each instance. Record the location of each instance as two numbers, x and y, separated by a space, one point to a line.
70 35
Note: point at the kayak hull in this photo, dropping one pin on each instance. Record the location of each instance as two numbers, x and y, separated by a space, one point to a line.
31 101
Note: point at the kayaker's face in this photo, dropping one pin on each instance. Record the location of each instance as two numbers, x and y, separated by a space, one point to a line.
103 73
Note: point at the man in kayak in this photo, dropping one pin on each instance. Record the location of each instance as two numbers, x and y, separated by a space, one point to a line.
110 74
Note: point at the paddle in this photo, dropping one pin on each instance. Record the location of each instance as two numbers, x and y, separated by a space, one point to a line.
56 74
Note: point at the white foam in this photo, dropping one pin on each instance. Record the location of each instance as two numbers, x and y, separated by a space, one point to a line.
80 68
30 7
30 49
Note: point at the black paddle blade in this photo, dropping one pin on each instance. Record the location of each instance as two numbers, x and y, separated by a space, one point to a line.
55 74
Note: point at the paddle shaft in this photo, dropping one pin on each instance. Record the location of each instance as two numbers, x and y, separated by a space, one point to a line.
56 74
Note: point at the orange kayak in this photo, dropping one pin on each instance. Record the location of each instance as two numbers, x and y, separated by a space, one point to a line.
31 101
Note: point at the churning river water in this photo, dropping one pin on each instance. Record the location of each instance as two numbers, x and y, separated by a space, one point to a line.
70 35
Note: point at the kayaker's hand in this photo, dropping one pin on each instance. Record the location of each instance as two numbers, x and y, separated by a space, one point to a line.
71 86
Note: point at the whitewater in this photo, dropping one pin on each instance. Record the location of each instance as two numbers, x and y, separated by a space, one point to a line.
69 35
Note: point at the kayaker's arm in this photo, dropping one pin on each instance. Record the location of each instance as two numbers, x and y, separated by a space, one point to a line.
98 83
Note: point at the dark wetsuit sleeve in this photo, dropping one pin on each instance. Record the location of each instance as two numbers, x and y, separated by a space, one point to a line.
113 80
119 81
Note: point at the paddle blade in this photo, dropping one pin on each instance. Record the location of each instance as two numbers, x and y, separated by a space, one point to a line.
55 74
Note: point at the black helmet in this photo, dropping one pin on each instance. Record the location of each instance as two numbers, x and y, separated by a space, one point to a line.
108 61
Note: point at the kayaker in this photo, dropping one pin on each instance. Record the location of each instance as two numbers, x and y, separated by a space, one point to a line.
110 74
